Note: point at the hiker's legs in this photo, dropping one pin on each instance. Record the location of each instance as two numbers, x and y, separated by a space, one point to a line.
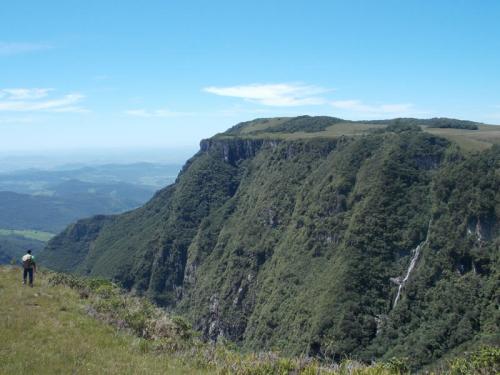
25 275
30 273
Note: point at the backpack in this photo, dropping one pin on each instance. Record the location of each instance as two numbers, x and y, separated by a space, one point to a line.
27 263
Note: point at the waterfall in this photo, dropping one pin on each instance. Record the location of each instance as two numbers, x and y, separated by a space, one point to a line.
413 262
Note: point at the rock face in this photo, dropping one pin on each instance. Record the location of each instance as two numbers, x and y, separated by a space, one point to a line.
293 244
234 150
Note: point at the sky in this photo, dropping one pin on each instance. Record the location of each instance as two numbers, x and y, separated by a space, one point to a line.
109 75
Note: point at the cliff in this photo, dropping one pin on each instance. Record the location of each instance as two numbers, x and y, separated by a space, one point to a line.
303 244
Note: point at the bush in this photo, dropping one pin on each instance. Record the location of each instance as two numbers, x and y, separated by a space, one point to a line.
156 331
485 361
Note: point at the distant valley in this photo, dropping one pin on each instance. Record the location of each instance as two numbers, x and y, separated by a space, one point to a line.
36 204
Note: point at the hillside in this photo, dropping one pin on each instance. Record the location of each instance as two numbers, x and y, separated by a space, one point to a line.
72 325
91 326
45 330
13 246
71 201
319 236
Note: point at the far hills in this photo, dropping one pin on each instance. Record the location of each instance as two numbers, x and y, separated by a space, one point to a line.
318 236
47 201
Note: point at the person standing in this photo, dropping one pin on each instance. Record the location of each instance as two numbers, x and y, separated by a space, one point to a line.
29 267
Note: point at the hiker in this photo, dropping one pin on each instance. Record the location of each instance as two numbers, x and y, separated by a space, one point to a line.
29 267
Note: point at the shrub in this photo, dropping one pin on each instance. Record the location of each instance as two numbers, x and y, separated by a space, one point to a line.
484 361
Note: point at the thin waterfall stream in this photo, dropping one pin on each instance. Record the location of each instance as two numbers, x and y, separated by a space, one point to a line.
413 262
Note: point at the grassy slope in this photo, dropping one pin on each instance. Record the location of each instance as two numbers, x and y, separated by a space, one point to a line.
45 330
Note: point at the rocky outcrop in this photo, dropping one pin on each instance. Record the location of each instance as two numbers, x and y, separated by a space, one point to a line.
234 150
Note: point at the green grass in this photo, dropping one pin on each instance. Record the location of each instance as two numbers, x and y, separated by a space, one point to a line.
31 234
45 330
264 124
334 131
468 140
257 131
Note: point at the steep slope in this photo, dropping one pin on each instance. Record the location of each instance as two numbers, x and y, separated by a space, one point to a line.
303 244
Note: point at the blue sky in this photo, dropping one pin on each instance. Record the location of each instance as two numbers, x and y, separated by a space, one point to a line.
164 74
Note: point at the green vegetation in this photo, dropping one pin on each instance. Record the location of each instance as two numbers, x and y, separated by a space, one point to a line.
35 203
74 201
305 127
296 242
441 122
481 140
13 247
45 330
305 124
67 324
14 243
484 361
31 234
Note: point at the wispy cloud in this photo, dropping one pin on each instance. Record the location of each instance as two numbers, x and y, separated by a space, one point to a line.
156 113
357 106
24 94
38 99
7 49
276 95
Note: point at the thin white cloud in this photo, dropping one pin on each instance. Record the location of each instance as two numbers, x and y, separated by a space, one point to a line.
7 49
24 94
357 106
36 99
155 113
276 95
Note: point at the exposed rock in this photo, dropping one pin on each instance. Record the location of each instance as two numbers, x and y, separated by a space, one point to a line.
233 150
